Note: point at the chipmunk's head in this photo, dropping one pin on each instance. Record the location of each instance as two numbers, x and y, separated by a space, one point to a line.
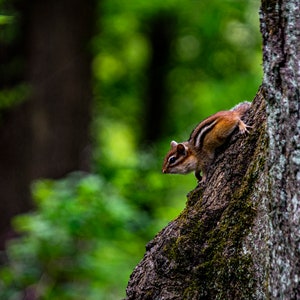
179 160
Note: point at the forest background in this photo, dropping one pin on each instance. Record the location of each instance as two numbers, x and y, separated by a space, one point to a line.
157 69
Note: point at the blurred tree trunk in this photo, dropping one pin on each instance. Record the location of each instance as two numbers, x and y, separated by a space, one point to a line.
48 134
238 237
162 29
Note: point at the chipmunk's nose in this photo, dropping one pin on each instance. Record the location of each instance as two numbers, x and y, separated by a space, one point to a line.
164 171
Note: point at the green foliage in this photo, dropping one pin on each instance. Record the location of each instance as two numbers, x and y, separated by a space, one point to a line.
5 20
215 63
78 244
13 96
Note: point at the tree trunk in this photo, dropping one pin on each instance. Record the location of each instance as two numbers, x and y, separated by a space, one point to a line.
161 34
48 134
60 72
280 26
238 237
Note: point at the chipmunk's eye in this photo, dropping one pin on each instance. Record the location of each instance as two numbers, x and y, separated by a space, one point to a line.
172 159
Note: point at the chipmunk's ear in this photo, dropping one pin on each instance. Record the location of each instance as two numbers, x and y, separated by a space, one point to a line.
173 144
181 149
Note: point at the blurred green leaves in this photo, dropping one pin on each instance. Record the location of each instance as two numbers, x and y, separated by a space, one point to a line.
13 96
74 244
215 63
5 19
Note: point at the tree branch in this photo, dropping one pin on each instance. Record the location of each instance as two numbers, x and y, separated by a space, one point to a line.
201 253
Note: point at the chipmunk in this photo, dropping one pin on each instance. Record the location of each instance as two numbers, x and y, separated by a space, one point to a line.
198 152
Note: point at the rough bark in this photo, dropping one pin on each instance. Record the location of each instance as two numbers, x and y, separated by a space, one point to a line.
238 237
280 27
201 253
